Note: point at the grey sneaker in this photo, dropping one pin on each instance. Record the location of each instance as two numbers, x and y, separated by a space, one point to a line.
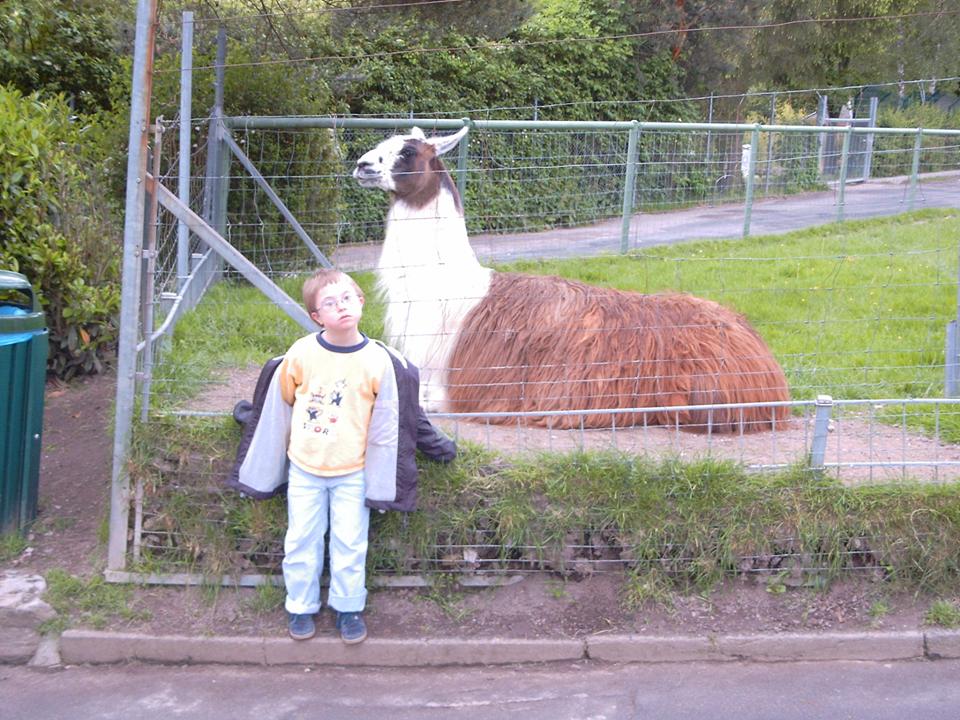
301 627
352 628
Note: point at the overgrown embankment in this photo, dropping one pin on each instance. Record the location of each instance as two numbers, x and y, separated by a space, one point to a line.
684 523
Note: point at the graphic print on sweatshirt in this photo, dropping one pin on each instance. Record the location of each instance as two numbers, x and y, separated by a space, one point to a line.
324 410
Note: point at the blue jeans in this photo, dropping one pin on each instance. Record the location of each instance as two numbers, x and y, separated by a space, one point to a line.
312 500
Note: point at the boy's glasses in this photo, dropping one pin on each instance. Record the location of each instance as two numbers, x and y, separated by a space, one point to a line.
348 298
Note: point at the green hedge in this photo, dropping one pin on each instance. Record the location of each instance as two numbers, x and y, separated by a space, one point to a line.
893 154
55 230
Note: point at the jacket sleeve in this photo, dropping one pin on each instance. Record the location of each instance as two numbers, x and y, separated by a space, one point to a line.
432 442
380 462
260 469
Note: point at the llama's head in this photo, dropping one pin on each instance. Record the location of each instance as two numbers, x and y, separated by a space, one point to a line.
409 166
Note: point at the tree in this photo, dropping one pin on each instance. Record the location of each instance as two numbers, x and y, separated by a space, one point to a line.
709 61
848 44
62 47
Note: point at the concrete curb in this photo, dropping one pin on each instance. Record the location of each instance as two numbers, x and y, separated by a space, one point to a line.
90 646
95 647
774 647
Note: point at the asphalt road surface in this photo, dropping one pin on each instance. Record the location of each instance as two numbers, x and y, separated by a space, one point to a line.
769 216
716 691
877 198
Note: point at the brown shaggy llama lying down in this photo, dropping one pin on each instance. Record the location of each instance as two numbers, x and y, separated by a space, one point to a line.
505 342
540 343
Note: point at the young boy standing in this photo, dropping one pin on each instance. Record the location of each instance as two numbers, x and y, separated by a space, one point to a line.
331 379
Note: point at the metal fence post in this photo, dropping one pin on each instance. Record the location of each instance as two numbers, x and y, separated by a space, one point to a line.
183 174
773 121
751 171
951 365
709 134
147 306
823 116
915 169
130 293
213 195
821 426
629 186
220 180
462 162
872 122
951 385
844 158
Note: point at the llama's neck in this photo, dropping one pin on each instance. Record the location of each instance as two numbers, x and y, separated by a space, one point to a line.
432 238
430 279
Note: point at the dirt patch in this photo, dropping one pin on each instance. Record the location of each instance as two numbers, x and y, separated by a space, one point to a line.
75 467
542 606
74 504
858 449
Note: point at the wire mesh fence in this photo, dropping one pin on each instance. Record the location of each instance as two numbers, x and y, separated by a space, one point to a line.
186 526
858 315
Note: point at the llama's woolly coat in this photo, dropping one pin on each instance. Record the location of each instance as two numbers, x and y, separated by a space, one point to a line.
543 344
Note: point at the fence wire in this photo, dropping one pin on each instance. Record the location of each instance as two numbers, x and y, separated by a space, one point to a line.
558 194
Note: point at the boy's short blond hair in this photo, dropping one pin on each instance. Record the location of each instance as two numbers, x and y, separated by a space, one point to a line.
319 280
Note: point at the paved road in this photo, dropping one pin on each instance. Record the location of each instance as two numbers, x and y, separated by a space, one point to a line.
878 198
769 216
717 691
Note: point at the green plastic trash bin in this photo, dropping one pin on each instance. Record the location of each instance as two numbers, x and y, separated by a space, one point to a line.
23 366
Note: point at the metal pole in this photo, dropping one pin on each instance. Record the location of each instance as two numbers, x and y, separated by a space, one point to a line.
218 160
150 267
950 384
709 134
823 115
773 121
462 163
629 186
751 171
915 169
221 183
214 147
868 159
821 427
844 157
952 363
130 294
183 178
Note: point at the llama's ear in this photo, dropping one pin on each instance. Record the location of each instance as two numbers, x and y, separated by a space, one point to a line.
445 143
417 133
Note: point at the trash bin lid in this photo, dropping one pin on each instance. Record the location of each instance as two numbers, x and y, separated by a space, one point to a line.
20 313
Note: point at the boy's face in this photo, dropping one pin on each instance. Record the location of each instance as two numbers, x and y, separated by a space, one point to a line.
338 307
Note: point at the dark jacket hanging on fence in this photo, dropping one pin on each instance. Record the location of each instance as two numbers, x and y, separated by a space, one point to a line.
398 428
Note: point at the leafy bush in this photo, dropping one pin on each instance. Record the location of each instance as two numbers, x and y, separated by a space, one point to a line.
893 154
54 230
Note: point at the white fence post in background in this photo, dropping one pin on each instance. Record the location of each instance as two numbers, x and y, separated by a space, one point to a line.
821 426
